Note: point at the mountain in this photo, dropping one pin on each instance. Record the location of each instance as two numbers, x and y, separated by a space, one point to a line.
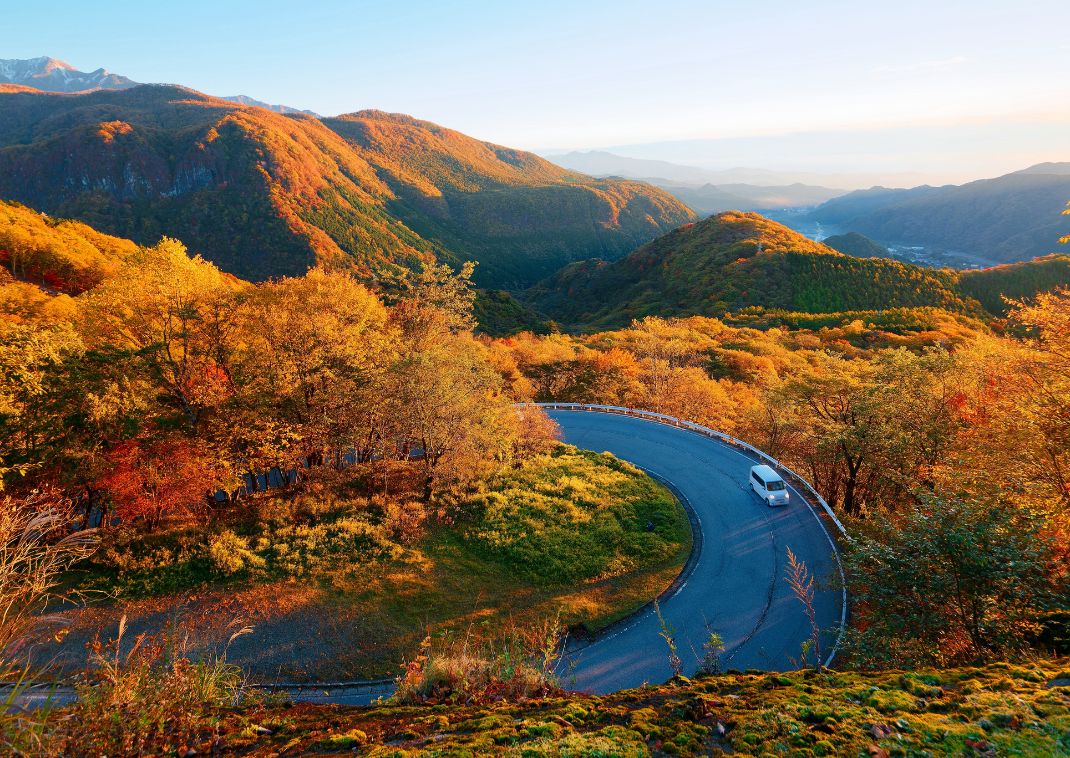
1010 218
246 100
51 75
734 260
858 245
265 194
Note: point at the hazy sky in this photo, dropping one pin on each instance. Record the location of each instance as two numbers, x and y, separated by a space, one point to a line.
559 75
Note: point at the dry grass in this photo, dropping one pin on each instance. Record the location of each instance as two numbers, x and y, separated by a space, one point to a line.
151 698
36 547
519 663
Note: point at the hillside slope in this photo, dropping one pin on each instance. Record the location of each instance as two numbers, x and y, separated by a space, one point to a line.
265 194
521 216
1010 218
1015 281
734 260
61 255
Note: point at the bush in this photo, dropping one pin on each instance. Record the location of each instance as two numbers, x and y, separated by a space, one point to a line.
230 554
150 699
292 537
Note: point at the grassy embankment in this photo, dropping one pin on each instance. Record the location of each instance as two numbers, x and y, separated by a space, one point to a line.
571 531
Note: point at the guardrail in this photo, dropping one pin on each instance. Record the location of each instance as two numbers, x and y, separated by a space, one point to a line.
662 418
727 439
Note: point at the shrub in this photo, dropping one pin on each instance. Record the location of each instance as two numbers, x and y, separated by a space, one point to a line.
150 699
519 664
230 554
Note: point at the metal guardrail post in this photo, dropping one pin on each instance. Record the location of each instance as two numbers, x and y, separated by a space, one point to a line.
704 430
734 442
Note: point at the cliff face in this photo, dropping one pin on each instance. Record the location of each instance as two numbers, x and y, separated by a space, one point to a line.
265 194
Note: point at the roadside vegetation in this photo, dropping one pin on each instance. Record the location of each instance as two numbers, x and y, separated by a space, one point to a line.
932 434
327 462
567 533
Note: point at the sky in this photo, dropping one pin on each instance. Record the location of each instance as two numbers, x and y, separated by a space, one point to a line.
878 84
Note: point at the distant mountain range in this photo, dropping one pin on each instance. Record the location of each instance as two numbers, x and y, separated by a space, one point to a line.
51 75
704 190
739 260
606 163
1010 218
245 100
265 194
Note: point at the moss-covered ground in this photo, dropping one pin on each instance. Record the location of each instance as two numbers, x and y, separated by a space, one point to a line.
1001 709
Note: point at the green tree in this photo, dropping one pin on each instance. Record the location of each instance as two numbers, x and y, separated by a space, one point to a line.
948 581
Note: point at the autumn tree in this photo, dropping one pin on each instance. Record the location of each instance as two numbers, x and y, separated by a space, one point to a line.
148 480
162 305
447 403
29 356
312 367
1047 369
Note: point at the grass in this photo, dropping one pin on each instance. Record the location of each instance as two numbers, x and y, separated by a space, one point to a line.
1000 709
369 610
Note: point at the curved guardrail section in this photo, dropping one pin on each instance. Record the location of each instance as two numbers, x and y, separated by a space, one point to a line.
705 430
727 439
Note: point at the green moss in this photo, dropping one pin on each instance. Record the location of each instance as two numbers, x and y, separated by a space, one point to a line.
894 701
845 713
345 741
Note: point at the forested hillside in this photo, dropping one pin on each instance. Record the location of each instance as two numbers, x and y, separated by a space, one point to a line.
263 194
992 287
731 261
58 254
857 245
734 261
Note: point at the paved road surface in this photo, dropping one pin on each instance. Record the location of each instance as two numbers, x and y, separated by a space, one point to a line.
737 585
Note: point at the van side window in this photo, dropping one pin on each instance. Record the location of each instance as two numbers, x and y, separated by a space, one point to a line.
757 478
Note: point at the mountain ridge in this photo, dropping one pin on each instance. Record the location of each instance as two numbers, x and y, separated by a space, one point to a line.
265 194
53 75
1009 218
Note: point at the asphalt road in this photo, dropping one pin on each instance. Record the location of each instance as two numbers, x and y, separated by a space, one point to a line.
737 586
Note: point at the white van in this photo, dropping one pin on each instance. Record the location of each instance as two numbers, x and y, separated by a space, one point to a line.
768 485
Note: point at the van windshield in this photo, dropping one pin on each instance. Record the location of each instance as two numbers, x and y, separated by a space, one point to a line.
775 486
